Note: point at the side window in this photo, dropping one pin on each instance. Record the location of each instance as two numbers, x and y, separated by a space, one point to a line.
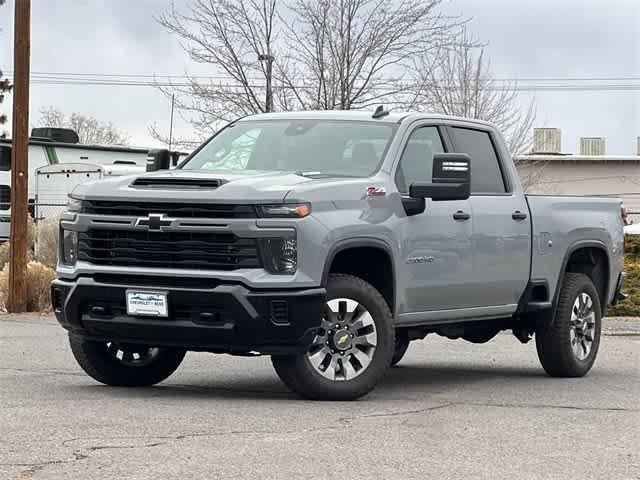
5 159
5 197
486 176
416 164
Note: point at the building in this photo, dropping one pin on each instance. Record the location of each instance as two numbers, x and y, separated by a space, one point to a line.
591 172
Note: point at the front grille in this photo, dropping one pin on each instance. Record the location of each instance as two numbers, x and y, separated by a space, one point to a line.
187 250
176 210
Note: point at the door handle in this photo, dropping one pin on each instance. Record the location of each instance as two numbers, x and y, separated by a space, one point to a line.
518 215
460 215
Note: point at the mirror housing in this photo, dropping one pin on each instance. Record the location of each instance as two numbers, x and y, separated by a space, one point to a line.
451 179
158 159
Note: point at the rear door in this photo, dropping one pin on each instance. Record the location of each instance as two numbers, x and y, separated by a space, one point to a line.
501 235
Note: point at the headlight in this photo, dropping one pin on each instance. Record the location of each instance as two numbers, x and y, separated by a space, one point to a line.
74 204
69 247
280 255
286 210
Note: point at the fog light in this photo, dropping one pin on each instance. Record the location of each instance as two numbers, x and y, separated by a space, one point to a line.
280 255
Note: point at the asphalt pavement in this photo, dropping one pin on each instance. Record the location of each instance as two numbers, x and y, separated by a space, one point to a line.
451 410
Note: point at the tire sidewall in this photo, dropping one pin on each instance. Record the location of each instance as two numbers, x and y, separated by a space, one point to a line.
553 342
102 366
585 287
317 386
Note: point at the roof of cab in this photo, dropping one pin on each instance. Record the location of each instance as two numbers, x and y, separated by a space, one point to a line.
359 115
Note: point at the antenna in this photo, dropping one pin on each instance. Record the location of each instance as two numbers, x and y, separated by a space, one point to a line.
380 112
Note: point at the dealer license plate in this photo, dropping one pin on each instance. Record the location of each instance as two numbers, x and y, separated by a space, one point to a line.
152 304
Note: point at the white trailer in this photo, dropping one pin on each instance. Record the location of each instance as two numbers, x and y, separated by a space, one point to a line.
111 159
55 182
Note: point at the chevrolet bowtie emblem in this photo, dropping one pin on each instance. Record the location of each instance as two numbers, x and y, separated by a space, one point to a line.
155 221
344 339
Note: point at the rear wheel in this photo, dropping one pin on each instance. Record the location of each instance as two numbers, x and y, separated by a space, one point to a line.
125 365
352 349
569 345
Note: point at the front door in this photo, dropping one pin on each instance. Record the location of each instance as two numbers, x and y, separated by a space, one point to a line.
436 247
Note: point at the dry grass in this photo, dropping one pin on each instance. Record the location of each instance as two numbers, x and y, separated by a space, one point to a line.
46 248
39 278
4 254
31 235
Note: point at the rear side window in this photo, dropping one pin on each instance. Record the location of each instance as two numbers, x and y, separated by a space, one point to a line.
486 176
5 159
416 164
5 197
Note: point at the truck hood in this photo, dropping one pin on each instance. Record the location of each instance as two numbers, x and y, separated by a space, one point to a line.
201 186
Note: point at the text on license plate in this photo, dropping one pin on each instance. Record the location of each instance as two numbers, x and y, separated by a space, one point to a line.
147 303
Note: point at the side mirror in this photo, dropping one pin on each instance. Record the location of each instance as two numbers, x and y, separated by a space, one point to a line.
158 159
451 179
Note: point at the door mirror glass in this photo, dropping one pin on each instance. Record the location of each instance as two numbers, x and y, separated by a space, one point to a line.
451 179
159 159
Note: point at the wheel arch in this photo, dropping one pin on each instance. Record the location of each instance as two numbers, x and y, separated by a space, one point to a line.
383 279
591 258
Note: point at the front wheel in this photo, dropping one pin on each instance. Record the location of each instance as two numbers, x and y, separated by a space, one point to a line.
567 347
125 365
352 349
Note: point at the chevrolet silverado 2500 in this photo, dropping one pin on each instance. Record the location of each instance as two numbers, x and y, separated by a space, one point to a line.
329 241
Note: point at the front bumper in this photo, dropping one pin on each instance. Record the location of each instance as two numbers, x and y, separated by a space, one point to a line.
203 316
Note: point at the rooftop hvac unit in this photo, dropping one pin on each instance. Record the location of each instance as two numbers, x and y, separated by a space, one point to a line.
547 140
592 146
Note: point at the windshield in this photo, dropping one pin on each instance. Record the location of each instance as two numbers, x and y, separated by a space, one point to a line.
312 147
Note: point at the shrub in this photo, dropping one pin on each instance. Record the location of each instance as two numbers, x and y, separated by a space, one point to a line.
4 254
31 235
39 278
631 306
46 248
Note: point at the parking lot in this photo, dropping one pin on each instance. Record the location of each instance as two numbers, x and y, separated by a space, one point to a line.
450 410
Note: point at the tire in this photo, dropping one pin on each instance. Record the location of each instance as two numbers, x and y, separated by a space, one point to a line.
321 373
401 347
561 344
100 360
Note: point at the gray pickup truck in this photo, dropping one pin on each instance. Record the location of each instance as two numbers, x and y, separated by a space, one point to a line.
329 241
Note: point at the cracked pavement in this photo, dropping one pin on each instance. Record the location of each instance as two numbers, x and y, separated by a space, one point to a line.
451 410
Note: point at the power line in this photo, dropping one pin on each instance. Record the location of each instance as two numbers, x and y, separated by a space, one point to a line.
222 77
586 84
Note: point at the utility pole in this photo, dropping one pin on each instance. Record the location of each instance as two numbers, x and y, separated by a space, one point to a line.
173 103
17 301
268 72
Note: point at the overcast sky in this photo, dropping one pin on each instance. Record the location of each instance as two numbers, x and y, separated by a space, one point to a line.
526 39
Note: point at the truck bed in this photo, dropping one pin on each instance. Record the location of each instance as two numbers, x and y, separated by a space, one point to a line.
561 223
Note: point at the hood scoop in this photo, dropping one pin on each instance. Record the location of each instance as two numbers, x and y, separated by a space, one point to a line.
177 183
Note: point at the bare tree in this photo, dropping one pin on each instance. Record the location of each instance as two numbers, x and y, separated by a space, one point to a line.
89 129
237 39
347 54
270 55
458 81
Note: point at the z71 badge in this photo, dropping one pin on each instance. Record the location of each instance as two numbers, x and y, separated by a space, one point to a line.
376 192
